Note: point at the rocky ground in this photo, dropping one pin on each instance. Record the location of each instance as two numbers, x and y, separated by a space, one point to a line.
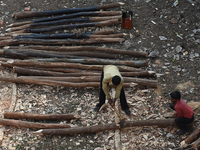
168 31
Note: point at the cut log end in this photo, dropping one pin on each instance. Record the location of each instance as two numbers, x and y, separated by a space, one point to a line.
72 126
121 3
133 84
39 132
10 25
183 144
125 34
8 30
6 47
77 116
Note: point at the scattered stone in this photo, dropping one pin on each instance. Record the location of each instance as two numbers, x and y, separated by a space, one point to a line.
155 53
169 135
178 49
27 8
127 44
173 21
158 61
162 38
99 148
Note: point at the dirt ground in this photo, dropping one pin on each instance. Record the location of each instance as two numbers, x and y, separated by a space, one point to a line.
169 32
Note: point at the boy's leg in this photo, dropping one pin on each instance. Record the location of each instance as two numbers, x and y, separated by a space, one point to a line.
182 123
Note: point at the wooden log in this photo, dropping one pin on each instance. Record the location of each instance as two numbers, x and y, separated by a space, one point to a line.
5 38
144 82
57 83
4 59
79 14
196 144
48 54
192 137
123 73
66 35
64 70
26 14
94 61
64 21
60 41
25 124
69 26
19 115
12 63
100 128
60 72
88 48
26 71
100 32
144 73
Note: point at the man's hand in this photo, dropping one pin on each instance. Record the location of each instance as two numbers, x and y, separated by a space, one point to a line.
110 101
114 100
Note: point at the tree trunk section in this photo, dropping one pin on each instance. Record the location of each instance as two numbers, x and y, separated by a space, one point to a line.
196 144
88 48
25 124
61 41
69 26
64 21
18 115
12 63
57 83
192 137
36 72
60 72
28 14
47 54
100 128
96 61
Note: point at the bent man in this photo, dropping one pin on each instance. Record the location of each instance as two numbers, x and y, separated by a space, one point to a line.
111 74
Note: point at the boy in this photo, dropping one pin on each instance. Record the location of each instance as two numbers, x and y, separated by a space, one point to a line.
184 114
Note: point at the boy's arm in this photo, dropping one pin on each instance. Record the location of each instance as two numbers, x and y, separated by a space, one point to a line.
179 113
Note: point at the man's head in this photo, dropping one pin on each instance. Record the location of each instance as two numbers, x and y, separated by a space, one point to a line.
116 80
175 96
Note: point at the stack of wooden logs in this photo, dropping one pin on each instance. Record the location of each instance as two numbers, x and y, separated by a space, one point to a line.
69 66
